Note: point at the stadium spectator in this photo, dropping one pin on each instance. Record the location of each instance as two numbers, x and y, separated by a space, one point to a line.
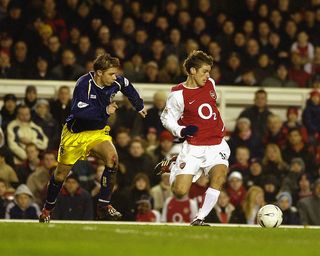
122 142
296 72
274 133
309 208
60 107
293 122
255 177
153 117
241 161
235 189
5 65
84 51
171 72
20 62
270 187
138 161
258 113
43 118
29 165
23 131
280 78
41 70
145 213
151 72
290 182
8 111
273 163
304 186
37 181
164 148
264 68
243 136
233 69
297 148
74 202
289 213
52 51
311 116
175 45
179 210
30 97
247 78
69 69
23 206
134 68
127 117
7 173
225 212
253 202
304 48
4 198
161 192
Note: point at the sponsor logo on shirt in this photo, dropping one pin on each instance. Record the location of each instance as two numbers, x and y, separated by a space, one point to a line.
93 96
82 104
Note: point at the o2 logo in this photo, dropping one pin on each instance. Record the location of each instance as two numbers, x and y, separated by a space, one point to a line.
208 115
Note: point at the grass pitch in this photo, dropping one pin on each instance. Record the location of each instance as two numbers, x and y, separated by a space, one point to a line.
60 239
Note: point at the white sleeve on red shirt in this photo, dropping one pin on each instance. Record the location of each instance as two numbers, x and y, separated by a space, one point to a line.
173 112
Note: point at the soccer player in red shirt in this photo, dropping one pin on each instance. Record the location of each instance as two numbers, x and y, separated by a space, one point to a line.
191 113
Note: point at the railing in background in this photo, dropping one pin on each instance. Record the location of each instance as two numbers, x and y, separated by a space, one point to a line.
232 99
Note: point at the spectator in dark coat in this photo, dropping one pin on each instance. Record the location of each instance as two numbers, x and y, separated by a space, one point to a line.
153 117
68 69
309 207
9 110
23 206
258 113
74 202
60 108
311 115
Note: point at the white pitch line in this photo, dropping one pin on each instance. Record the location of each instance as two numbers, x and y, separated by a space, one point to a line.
144 223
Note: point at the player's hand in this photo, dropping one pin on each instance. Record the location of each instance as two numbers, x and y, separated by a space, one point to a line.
189 131
143 112
111 108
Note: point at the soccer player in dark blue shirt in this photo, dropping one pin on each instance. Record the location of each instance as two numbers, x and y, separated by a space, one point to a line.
87 131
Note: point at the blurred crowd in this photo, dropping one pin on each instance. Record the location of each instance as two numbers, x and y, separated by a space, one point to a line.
272 161
253 42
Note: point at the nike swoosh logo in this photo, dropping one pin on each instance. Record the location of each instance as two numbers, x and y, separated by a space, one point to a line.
191 102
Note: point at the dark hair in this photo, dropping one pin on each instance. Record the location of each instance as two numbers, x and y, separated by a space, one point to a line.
105 61
261 91
196 59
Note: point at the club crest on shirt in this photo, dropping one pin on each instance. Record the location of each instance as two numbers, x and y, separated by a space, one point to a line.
182 165
213 95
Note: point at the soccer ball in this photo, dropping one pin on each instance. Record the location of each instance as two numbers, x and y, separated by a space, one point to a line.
269 216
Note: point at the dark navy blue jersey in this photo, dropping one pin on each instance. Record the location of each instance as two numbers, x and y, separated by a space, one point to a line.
89 102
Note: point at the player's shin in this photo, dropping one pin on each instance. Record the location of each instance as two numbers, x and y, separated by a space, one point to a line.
54 188
108 180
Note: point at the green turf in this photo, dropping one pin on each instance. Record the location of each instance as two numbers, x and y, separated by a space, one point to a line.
23 239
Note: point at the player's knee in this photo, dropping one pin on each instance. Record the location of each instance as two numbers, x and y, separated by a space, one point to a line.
112 161
60 175
180 191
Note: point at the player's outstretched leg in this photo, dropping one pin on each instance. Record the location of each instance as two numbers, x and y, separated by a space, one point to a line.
164 166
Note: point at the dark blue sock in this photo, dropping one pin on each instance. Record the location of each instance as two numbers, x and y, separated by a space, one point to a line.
54 188
108 180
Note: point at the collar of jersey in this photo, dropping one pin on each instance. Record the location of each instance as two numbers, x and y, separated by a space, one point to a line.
101 87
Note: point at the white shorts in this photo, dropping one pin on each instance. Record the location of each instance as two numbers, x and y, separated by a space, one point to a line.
196 160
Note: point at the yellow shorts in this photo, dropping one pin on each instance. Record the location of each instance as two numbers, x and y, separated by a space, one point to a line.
77 146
